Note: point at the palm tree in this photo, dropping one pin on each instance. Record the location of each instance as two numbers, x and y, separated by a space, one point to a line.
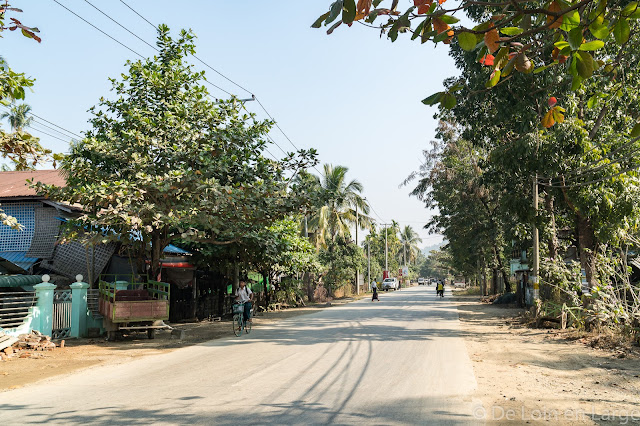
409 239
18 117
341 205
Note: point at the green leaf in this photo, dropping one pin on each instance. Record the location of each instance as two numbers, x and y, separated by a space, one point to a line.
495 78
348 11
635 132
467 41
376 3
509 67
511 31
318 22
448 101
592 45
456 88
576 82
448 19
418 30
501 57
621 31
570 21
442 36
561 44
575 38
584 64
335 10
433 99
593 101
630 9
599 30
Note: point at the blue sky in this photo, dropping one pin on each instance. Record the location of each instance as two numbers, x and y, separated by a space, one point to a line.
353 96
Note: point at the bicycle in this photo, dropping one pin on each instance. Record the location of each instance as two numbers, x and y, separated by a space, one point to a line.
239 323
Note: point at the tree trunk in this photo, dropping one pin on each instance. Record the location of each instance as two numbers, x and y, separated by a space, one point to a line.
587 247
157 245
498 260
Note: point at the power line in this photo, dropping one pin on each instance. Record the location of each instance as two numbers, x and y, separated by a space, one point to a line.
80 17
36 118
48 134
53 124
123 27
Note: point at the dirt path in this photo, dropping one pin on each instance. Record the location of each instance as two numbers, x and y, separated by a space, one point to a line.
527 375
83 353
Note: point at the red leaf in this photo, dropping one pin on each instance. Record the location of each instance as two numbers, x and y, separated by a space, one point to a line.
487 60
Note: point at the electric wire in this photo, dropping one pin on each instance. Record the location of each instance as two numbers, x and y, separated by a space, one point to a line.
48 134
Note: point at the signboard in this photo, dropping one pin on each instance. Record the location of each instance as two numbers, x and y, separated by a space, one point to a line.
385 274
400 273
405 271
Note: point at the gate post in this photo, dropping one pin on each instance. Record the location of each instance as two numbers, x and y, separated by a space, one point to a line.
79 307
44 292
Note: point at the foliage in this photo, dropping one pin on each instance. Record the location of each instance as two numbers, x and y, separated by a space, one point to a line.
163 161
340 260
509 38
338 205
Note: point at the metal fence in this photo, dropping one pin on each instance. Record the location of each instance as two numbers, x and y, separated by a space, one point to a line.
93 302
14 307
61 314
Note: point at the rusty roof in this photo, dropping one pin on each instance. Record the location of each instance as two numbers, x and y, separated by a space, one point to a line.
14 184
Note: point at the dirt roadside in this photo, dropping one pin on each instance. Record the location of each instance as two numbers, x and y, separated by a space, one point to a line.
529 375
83 353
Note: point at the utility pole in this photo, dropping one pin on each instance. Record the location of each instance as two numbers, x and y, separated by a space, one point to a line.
386 262
357 269
536 243
369 261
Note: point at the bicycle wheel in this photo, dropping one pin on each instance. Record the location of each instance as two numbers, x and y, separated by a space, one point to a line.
247 327
237 324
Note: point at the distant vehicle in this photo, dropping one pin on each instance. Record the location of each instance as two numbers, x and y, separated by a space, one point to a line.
459 282
421 281
389 283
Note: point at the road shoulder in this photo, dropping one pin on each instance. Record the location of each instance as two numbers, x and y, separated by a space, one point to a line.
525 373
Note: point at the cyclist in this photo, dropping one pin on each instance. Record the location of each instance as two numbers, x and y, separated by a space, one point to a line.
440 288
245 295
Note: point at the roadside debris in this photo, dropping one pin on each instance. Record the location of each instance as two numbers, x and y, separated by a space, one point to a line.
29 346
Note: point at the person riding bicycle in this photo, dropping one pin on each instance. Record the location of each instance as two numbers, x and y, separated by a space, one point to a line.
440 288
245 295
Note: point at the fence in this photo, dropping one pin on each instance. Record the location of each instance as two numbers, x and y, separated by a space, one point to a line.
62 304
15 308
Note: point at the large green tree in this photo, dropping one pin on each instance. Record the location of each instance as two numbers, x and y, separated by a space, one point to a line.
164 161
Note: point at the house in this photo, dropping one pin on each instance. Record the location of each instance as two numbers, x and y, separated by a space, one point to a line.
36 244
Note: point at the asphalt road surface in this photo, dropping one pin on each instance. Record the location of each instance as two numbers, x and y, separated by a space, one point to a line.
398 361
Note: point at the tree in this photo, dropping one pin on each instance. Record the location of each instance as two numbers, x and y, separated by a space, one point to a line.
409 240
335 211
18 117
340 260
510 37
163 161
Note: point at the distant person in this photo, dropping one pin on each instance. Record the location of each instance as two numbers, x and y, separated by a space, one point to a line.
244 295
374 287
440 288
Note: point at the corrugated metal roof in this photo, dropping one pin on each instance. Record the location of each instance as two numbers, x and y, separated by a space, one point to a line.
14 184
19 259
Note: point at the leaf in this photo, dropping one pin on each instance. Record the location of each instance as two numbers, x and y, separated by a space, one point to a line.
418 31
592 45
443 30
547 120
448 101
557 114
467 41
494 79
448 19
511 31
318 22
575 38
487 60
348 11
570 20
509 67
433 99
584 64
576 82
333 27
554 6
501 57
363 8
491 40
523 64
335 10
635 132
630 9
621 31
593 101
599 30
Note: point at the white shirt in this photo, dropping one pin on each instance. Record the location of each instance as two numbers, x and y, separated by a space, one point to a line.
374 285
243 295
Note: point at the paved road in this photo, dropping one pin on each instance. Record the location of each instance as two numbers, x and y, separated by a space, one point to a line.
399 361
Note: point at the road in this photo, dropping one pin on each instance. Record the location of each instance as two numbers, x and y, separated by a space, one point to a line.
398 361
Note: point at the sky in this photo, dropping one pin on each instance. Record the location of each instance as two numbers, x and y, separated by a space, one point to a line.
352 95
